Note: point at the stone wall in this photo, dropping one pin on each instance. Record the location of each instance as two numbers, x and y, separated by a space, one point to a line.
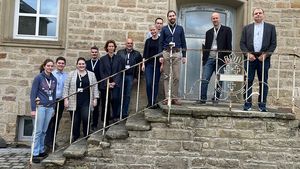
245 142
92 22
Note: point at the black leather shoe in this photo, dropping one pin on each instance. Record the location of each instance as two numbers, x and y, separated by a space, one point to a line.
36 159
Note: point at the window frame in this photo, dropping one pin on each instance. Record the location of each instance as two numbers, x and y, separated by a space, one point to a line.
20 130
7 30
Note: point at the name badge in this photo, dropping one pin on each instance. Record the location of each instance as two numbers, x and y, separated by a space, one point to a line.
80 90
50 98
127 66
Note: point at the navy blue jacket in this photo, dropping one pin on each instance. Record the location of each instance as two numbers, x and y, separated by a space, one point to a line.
40 89
178 37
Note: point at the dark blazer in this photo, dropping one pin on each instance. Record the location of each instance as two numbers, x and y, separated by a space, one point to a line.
224 42
135 57
96 69
269 42
109 67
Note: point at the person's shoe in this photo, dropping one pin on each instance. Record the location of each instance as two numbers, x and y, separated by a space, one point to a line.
262 107
43 155
202 102
247 106
36 159
176 102
155 106
165 102
214 100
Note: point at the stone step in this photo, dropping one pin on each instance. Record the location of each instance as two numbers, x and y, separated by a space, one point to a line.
76 150
117 131
223 110
98 139
137 123
155 116
54 159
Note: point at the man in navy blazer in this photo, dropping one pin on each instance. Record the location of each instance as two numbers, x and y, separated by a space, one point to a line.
258 42
217 38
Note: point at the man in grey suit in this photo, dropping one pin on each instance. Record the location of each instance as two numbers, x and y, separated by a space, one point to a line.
258 42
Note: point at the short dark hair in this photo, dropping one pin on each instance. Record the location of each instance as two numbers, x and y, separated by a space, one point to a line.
256 9
94 47
171 11
80 58
108 42
60 58
159 18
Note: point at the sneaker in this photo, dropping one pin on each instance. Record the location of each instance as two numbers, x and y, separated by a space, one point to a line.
214 100
247 106
155 106
36 159
201 102
262 108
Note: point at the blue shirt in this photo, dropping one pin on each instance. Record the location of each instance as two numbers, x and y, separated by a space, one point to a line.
258 36
61 78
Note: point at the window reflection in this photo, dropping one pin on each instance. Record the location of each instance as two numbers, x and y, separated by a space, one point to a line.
198 22
47 26
28 6
27 25
49 7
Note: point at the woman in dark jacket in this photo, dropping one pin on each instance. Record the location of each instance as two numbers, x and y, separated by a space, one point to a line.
152 67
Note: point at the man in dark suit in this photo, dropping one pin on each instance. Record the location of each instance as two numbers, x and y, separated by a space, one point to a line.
93 65
217 38
258 41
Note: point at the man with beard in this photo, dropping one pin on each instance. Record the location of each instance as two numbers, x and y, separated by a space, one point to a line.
172 35
93 65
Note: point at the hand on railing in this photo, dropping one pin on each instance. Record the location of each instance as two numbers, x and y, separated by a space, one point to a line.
66 103
251 57
161 60
95 102
262 57
112 85
143 67
183 60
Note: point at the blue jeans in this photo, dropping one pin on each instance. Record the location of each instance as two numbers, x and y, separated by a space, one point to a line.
44 115
256 65
208 69
149 72
127 93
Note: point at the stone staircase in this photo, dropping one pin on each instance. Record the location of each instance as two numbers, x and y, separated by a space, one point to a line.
98 145
126 144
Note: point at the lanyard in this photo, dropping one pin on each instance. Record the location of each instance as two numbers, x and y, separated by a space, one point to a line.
127 61
94 65
48 83
80 80
172 32
216 32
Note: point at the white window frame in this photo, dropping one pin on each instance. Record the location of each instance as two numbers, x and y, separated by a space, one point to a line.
21 123
37 16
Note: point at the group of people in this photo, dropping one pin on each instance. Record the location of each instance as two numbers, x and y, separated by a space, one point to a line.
165 48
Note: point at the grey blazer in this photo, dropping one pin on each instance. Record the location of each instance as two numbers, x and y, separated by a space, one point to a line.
269 39
70 88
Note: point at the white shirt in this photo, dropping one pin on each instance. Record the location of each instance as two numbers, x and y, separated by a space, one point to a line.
258 36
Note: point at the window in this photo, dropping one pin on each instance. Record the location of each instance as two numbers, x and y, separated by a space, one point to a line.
33 23
25 128
36 19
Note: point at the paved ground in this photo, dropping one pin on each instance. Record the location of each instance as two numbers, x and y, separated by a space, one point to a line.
14 158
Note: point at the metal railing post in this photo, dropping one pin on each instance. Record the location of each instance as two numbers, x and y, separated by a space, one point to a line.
262 82
185 78
138 89
201 73
153 82
106 106
294 84
55 128
216 76
72 126
37 102
170 81
122 95
247 77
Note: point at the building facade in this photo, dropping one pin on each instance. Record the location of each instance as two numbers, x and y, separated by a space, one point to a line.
31 31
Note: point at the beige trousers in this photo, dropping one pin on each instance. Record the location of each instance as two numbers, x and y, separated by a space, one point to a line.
175 73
